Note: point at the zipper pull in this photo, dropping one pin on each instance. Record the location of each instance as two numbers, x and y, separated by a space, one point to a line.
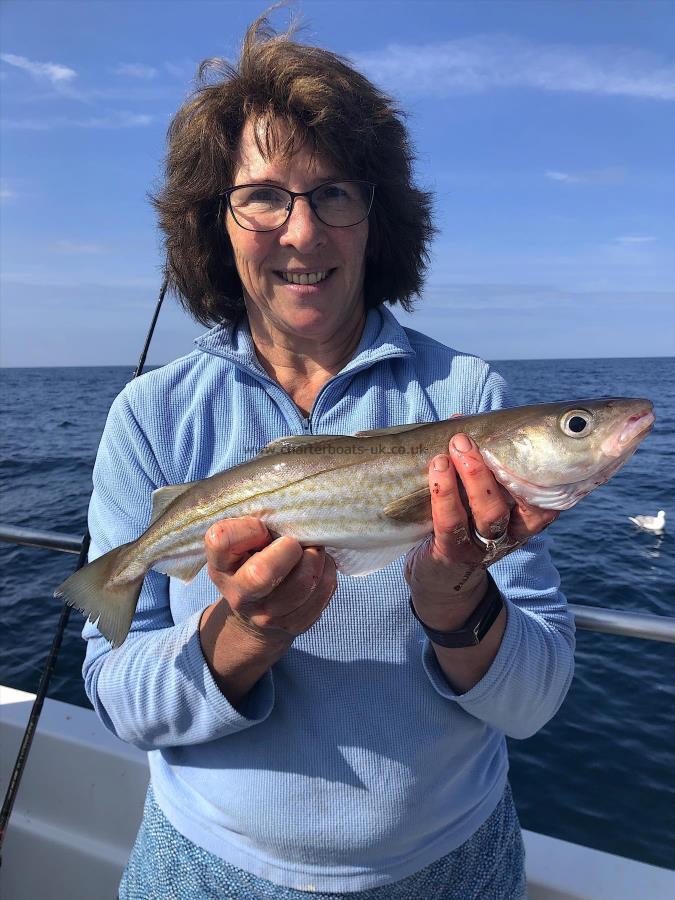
305 425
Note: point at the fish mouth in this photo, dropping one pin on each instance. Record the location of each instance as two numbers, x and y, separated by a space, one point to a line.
636 428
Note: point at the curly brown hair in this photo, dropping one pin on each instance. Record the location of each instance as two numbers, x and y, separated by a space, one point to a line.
297 96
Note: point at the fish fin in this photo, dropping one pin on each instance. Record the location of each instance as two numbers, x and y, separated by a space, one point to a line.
363 562
295 442
109 605
414 507
395 429
184 568
164 497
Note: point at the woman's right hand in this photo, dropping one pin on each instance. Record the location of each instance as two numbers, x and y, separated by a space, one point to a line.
275 589
272 591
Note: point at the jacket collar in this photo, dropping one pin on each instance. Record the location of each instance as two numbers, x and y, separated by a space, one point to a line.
383 338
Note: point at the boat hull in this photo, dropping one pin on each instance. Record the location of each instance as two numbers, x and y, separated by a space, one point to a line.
81 799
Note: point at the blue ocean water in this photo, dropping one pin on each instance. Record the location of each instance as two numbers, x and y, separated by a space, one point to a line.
600 774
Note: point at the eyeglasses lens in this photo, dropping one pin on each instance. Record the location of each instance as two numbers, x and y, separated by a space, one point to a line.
263 207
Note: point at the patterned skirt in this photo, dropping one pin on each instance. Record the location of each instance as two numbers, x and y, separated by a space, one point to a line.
164 865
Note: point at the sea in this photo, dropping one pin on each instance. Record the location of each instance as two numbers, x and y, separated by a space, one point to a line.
601 773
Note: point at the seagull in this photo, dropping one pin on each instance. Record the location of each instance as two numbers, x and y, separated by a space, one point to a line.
650 523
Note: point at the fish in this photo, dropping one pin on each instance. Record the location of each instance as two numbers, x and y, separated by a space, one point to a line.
363 497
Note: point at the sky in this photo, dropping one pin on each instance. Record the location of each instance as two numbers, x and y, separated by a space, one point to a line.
545 130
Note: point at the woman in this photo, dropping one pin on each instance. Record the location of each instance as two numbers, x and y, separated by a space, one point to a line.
309 732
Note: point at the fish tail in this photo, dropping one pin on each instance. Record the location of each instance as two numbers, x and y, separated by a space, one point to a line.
99 592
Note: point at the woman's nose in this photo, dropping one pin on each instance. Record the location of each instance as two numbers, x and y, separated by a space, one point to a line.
303 228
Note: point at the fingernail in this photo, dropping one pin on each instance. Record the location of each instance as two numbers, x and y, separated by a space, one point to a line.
461 443
441 464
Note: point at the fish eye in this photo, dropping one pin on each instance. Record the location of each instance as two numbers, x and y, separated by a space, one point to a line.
576 423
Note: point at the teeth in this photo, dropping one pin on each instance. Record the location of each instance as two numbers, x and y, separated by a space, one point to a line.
304 278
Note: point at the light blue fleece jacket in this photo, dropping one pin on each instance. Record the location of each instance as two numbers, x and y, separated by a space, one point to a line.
352 763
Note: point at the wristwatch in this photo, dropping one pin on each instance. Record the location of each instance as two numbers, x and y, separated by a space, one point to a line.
476 626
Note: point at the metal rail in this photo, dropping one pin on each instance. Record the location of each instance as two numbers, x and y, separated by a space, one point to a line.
619 621
48 540
588 618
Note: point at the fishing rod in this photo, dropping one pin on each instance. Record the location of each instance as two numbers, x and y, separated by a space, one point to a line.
45 678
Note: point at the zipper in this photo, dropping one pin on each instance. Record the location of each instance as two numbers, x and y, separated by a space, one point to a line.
307 423
321 397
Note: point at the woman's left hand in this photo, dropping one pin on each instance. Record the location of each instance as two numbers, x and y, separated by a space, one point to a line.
446 572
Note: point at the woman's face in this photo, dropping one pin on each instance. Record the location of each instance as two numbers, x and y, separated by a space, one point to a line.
318 312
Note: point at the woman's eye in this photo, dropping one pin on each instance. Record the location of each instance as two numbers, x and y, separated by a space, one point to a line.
258 197
332 192
576 423
265 195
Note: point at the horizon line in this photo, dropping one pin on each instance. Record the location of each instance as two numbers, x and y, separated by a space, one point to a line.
492 360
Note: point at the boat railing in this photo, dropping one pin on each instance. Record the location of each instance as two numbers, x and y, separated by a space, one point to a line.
588 618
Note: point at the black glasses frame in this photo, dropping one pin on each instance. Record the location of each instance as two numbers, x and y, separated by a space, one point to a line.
293 195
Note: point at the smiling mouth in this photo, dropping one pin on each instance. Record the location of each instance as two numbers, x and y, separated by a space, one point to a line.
305 277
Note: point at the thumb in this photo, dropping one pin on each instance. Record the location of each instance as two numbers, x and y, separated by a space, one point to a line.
230 542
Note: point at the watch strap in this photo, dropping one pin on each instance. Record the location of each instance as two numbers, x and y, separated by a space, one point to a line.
476 626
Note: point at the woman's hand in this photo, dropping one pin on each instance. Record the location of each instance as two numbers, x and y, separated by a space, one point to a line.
271 591
446 572
274 590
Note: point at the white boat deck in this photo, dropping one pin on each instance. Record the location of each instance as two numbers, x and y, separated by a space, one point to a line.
80 802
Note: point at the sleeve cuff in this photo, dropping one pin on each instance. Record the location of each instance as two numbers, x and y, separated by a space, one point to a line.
254 708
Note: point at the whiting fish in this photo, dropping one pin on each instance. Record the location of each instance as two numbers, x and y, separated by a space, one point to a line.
365 497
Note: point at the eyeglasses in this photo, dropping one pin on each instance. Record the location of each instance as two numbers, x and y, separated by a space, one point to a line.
266 207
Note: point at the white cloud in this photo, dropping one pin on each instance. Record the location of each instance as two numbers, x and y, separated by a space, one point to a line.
79 248
563 176
120 119
632 239
6 192
53 72
34 278
136 70
184 69
613 175
487 62
115 120
444 298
